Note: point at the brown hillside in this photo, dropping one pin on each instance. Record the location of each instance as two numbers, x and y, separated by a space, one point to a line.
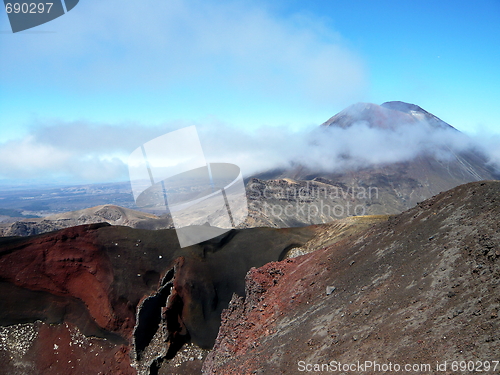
420 288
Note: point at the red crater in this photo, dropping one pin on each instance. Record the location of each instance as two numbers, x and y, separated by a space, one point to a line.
66 263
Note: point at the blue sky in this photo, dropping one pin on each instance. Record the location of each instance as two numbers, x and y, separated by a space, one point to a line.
132 70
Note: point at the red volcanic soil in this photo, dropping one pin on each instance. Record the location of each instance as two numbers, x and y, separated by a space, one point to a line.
63 278
419 289
40 348
98 298
62 349
67 263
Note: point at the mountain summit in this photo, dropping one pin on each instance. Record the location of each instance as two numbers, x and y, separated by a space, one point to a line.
417 112
389 115
439 161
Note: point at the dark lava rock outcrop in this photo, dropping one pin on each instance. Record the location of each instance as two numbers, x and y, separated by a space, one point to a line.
421 288
116 300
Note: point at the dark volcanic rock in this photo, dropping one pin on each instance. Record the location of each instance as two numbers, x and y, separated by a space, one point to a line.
87 285
420 288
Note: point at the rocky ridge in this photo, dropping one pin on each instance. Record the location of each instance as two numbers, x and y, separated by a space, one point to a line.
420 288
111 214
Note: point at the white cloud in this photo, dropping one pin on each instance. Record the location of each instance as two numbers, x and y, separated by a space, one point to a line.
330 149
29 158
90 152
156 45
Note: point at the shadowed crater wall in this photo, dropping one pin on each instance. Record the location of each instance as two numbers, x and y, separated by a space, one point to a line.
129 287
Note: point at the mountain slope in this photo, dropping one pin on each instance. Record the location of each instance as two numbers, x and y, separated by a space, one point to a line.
397 186
429 173
417 113
420 288
370 114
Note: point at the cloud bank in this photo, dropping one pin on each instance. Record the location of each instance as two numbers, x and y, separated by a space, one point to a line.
335 149
80 152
